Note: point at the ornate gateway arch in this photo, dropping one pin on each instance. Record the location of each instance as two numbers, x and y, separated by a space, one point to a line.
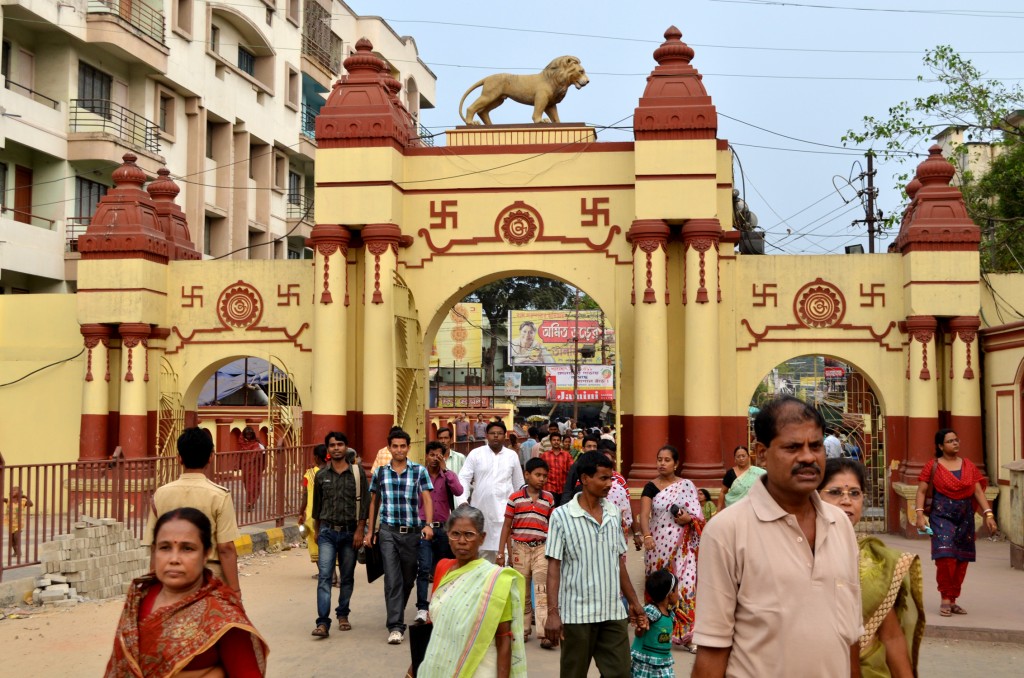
645 227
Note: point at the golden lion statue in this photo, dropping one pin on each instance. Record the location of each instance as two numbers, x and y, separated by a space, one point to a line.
544 90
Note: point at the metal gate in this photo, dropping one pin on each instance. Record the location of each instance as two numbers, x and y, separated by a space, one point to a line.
171 412
284 408
849 405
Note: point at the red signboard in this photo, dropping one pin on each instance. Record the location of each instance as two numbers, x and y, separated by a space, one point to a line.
834 373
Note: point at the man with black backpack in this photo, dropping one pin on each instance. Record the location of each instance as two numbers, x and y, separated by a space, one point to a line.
446 488
341 504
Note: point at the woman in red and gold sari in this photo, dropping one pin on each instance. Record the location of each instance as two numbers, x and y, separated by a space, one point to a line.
959 488
181 620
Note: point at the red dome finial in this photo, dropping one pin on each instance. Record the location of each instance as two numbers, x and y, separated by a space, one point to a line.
936 170
673 49
163 188
913 187
128 175
364 62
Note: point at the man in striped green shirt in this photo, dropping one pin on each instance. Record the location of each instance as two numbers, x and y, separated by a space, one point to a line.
585 578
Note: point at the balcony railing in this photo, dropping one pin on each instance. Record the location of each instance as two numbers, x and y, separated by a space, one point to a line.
309 121
26 217
141 18
426 138
329 58
75 227
300 207
103 115
32 94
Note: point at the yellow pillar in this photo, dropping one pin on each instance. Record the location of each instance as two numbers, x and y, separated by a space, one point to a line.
702 423
965 387
133 431
330 328
95 394
922 394
380 262
649 418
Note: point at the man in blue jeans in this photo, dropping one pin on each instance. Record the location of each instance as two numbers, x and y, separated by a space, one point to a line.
341 504
446 488
398 490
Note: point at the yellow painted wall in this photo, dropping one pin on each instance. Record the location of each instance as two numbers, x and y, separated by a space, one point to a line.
40 414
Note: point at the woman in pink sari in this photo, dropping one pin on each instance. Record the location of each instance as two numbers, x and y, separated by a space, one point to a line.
253 463
671 519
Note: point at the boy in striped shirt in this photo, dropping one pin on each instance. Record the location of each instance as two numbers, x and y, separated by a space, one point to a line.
523 535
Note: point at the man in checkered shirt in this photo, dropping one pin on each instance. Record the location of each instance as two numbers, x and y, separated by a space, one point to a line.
397 491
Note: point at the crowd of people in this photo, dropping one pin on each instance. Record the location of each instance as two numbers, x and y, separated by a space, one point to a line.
500 545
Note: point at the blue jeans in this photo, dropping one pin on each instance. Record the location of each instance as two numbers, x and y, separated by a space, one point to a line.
428 555
334 547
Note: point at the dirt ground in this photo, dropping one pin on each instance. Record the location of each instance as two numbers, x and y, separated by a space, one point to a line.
280 597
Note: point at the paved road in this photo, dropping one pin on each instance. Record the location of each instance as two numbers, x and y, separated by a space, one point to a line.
280 596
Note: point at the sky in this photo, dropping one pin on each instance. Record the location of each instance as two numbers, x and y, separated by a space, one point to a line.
803 71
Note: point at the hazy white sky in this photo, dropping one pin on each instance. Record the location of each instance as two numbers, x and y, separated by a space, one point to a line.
809 72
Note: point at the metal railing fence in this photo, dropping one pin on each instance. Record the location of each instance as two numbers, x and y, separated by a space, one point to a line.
103 115
265 487
140 17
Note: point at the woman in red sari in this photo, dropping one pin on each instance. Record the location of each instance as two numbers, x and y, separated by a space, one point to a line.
959 487
253 463
180 620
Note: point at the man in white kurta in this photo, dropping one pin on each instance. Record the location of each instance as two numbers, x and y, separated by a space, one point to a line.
491 473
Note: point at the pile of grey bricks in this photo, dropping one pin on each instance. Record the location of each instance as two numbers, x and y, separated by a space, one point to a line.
98 560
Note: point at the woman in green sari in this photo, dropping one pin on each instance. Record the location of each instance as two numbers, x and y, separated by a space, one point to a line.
890 584
739 479
476 610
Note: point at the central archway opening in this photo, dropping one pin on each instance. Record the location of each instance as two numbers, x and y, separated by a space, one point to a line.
529 349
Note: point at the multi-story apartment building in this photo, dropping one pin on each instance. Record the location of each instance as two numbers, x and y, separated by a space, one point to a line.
224 94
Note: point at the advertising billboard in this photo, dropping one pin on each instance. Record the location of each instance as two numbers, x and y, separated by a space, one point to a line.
594 383
549 337
459 340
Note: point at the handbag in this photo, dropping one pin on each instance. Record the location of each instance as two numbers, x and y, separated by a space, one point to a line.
419 639
374 562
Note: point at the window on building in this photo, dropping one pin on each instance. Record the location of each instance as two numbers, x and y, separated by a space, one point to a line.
5 61
207 234
183 16
214 38
294 80
294 188
3 184
252 161
209 139
165 112
94 89
87 196
246 61
280 170
293 11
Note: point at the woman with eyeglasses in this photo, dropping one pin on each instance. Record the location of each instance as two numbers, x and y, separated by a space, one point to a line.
890 584
957 488
476 609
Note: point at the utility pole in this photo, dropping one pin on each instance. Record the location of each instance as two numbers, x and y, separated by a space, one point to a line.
871 203
871 216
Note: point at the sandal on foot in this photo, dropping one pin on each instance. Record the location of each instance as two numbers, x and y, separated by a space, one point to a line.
321 631
343 624
945 610
546 644
956 609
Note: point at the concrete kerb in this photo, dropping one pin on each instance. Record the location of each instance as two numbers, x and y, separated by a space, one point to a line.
256 539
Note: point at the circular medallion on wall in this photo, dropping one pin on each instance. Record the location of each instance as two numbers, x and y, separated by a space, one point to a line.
518 224
819 304
240 305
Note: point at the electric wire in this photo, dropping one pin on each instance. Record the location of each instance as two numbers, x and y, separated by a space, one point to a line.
40 369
